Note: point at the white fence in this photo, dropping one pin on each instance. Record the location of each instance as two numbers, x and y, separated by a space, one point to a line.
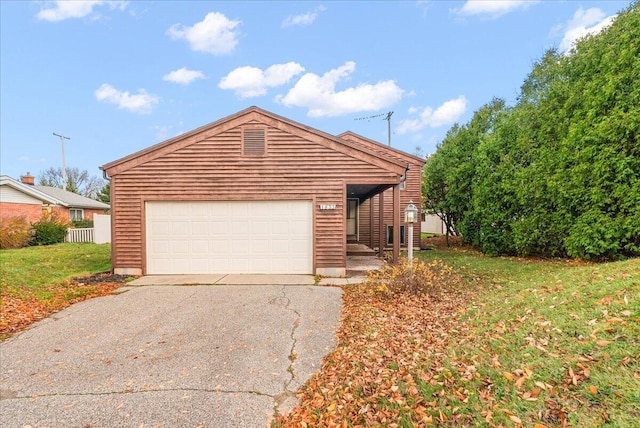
433 224
100 233
101 228
84 234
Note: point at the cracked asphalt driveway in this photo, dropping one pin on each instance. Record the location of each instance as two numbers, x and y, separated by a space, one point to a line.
172 356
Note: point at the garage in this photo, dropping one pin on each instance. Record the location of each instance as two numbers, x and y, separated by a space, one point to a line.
206 237
253 192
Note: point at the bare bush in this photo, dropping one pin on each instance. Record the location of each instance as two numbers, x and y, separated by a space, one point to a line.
424 278
15 232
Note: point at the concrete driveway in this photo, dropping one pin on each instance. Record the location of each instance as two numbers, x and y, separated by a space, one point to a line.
170 356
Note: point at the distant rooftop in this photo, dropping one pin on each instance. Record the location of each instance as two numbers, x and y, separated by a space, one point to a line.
72 199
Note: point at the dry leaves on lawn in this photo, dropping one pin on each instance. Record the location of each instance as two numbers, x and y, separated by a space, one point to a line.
21 310
388 358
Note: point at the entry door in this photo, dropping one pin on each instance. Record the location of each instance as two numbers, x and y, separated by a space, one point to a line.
352 216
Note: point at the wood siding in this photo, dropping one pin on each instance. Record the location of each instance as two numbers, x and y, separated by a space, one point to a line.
213 168
412 192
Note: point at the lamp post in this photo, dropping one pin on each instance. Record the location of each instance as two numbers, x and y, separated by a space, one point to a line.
410 216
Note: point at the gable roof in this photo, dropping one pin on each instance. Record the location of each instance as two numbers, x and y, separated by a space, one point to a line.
249 115
32 191
53 195
72 200
379 147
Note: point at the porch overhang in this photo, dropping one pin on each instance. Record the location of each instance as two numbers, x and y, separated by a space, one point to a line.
365 191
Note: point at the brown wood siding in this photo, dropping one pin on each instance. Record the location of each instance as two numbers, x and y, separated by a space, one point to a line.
215 169
412 192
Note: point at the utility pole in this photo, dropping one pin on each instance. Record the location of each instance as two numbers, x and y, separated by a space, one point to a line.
388 119
64 168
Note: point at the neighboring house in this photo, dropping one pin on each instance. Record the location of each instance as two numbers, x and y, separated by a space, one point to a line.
431 223
252 193
24 199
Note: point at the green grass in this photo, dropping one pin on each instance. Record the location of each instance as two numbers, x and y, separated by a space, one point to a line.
425 235
33 268
571 327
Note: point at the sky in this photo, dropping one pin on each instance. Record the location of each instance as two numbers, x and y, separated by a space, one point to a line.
116 77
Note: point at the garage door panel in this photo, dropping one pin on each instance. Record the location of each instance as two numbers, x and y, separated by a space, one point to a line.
161 247
218 227
230 237
239 210
260 247
200 210
179 228
200 228
199 265
258 227
199 247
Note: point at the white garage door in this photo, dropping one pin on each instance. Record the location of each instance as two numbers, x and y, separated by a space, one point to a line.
229 237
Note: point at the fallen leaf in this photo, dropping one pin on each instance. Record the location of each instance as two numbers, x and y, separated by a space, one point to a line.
515 419
593 390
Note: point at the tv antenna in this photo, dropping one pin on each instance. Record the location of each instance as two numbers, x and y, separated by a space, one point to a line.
64 169
387 117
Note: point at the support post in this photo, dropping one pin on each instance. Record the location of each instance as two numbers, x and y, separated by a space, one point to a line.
396 223
371 223
381 234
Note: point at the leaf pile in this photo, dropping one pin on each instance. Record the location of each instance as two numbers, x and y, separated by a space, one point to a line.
388 359
401 278
21 308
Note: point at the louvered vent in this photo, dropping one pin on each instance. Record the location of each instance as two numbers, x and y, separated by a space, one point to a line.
254 141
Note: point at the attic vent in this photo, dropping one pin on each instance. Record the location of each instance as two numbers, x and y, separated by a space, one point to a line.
254 141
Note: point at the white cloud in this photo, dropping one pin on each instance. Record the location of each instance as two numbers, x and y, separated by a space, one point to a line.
183 76
142 102
493 8
319 95
64 9
215 34
303 19
164 132
448 113
27 158
253 82
584 23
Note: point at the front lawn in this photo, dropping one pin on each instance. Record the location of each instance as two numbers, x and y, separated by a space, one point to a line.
37 281
514 343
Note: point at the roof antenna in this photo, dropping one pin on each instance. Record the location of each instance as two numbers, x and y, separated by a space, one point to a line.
387 117
64 169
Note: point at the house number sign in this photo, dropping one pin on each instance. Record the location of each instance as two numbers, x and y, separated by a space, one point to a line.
327 207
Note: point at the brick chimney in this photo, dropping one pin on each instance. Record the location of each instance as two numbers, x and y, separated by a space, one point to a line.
27 179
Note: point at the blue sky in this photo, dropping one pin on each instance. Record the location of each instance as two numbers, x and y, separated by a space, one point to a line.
117 77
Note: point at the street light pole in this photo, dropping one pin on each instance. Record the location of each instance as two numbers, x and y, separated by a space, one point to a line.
64 168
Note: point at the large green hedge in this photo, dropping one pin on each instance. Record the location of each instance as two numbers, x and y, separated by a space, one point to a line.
557 174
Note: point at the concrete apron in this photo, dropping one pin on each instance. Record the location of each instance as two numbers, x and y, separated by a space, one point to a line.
357 268
222 279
